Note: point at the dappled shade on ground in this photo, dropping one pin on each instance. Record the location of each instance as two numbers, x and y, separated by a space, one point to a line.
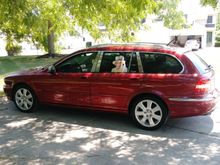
68 136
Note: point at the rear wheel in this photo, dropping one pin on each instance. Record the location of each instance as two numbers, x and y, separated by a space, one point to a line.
24 98
149 113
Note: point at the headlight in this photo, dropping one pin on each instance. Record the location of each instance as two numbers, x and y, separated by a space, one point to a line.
8 82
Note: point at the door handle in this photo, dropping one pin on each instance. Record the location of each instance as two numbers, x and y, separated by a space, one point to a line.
135 78
84 77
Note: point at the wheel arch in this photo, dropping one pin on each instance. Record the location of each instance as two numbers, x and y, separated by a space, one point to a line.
20 84
149 95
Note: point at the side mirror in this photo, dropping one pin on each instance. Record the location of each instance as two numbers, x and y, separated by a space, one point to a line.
51 69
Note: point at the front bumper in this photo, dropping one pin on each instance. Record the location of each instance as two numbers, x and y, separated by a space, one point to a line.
182 107
8 91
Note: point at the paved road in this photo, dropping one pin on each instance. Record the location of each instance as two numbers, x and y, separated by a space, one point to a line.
64 136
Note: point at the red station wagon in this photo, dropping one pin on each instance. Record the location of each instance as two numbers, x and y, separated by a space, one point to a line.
149 82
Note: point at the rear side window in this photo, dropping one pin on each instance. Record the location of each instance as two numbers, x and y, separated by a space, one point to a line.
200 64
160 63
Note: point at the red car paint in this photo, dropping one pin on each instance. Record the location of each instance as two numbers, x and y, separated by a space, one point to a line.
115 92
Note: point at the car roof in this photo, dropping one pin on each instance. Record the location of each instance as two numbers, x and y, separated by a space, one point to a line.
140 46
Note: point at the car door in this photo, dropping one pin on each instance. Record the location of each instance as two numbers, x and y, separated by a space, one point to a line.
111 87
163 75
70 83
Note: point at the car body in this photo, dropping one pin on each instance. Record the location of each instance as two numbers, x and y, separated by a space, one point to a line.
154 80
192 44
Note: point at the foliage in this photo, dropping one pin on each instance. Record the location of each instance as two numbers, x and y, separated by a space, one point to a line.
13 49
217 38
217 41
35 20
172 17
120 17
11 24
212 3
28 19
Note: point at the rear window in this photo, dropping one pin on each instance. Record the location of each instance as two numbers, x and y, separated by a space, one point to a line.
200 64
160 63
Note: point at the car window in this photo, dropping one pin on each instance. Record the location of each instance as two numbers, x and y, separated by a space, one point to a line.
119 62
200 64
79 63
160 63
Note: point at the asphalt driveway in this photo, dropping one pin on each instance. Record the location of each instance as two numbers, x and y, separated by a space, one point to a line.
66 136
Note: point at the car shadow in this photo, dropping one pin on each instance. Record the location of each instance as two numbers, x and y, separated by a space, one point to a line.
122 122
71 136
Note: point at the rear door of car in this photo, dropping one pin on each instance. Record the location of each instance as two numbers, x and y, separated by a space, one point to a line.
164 75
110 89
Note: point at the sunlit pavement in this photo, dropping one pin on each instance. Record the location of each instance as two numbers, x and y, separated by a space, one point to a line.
64 136
57 135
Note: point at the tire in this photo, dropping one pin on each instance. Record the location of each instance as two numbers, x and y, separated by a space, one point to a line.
25 99
149 113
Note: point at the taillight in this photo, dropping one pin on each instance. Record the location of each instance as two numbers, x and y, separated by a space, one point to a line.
203 86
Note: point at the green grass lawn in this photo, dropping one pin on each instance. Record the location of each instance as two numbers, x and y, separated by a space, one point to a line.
17 63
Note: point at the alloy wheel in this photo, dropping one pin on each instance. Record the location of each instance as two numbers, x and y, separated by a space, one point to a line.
148 113
24 99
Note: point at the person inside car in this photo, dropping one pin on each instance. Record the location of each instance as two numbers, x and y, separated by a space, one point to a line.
119 64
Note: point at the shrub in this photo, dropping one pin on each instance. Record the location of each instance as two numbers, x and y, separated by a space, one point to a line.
13 49
217 41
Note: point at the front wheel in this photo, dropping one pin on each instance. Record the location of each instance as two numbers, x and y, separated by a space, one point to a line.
149 113
25 99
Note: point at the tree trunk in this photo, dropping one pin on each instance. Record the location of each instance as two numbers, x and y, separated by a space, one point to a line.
51 48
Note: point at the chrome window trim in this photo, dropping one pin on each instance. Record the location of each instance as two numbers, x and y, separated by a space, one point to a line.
94 66
99 61
191 99
76 54
139 63
183 68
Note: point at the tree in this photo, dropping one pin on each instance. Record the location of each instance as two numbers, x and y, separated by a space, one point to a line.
10 24
120 17
169 13
212 3
42 22
46 21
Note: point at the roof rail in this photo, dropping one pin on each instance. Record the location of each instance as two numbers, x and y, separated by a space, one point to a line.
160 45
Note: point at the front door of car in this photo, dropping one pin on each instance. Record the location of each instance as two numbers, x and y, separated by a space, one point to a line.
117 78
70 84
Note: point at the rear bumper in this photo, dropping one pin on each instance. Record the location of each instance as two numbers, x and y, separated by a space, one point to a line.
182 107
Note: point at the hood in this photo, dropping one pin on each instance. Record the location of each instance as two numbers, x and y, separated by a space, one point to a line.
32 71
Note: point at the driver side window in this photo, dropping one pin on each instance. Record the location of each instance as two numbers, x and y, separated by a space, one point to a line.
79 63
